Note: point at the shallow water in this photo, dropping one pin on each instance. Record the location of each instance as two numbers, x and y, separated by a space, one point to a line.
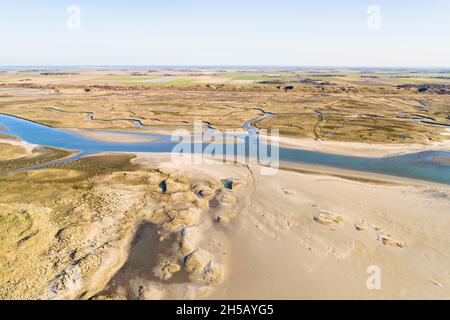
417 166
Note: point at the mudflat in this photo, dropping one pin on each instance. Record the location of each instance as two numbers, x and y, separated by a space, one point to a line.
140 226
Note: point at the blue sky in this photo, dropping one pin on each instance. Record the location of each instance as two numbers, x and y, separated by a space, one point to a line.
231 32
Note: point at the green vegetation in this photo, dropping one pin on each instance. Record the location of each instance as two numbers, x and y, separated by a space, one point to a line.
175 83
9 151
39 156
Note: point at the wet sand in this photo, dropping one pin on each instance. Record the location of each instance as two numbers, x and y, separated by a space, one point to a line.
442 160
112 136
361 149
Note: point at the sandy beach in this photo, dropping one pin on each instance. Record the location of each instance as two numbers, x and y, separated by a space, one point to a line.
362 149
370 150
27 147
282 244
157 229
112 136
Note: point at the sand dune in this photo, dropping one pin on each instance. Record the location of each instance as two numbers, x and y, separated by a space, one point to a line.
155 229
299 236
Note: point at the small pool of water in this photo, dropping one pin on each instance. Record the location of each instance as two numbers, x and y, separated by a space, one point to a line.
228 184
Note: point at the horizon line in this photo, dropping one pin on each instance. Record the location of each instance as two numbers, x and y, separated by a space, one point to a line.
216 66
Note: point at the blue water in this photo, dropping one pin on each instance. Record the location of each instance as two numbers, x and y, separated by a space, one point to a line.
417 166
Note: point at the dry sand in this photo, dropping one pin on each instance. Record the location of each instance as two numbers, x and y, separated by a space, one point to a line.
112 136
28 147
362 149
306 236
169 230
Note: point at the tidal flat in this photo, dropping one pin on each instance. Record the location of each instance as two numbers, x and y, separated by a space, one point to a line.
351 107
123 226
135 225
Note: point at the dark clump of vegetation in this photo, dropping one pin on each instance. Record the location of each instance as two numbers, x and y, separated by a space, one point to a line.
101 164
40 156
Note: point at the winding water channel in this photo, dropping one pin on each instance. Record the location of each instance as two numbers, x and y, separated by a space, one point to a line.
420 165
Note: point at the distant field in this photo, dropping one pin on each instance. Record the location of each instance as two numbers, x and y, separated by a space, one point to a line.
353 104
230 77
